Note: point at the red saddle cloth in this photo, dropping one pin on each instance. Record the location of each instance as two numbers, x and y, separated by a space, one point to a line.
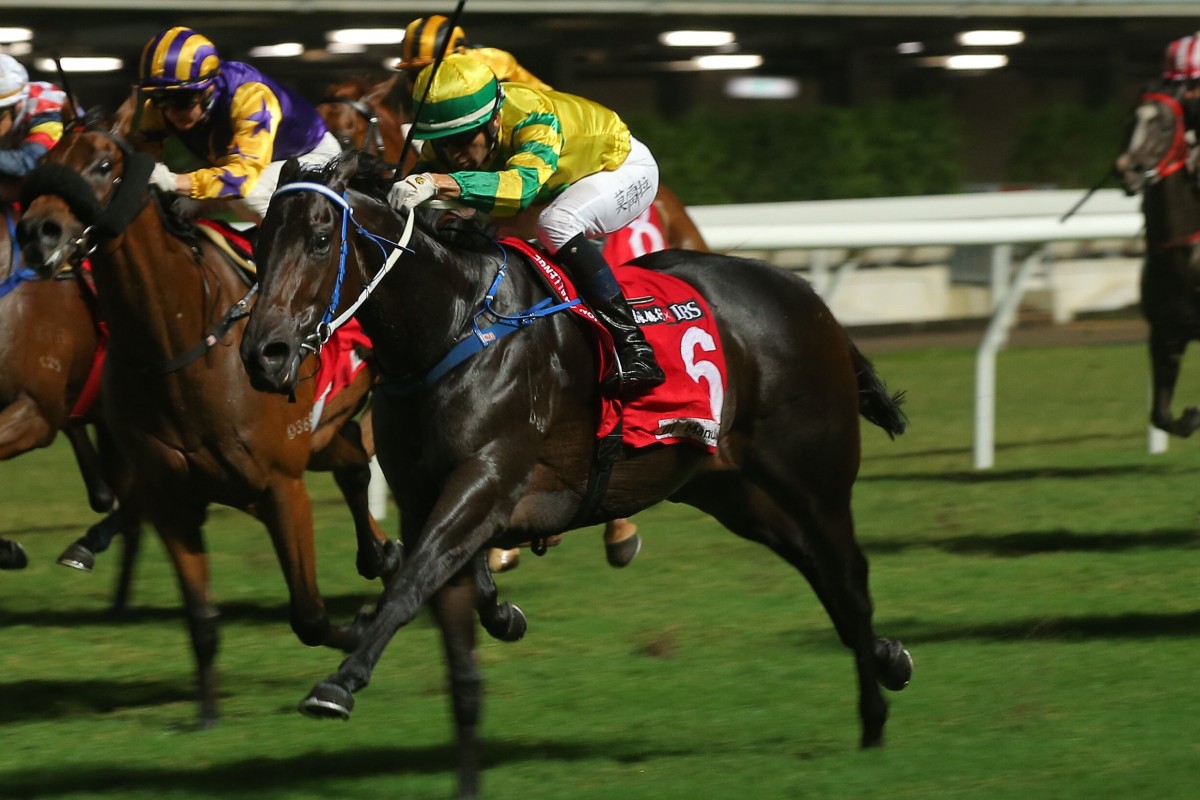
91 387
339 365
680 327
643 235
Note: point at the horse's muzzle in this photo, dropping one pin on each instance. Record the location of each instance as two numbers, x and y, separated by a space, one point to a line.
271 362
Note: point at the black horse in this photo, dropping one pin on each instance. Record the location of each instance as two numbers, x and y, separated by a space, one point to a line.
500 448
1156 164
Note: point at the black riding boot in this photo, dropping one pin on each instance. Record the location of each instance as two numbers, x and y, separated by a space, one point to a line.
639 371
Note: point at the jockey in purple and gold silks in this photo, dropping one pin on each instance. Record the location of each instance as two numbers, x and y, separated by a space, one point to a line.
228 114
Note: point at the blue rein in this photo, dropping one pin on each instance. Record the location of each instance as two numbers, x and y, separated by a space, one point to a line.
20 273
479 337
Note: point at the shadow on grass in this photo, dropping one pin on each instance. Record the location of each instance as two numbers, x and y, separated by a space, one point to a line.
1005 476
341 609
1184 624
310 770
884 455
43 700
1028 543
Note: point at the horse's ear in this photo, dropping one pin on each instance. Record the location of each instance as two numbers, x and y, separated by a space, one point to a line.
290 171
380 91
123 121
344 168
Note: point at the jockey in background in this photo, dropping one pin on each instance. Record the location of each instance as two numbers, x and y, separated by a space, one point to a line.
232 117
30 123
498 148
1181 79
425 37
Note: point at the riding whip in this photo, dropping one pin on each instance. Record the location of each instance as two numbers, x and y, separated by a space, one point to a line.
66 87
1103 180
437 62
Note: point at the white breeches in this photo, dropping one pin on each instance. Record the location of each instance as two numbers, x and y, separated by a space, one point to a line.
601 203
253 206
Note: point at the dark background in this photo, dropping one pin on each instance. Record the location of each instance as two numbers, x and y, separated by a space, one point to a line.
1076 61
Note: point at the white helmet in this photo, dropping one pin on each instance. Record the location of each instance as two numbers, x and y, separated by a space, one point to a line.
14 81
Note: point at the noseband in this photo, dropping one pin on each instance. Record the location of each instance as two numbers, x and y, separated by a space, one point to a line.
329 323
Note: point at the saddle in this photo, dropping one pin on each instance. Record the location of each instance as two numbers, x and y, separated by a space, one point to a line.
679 325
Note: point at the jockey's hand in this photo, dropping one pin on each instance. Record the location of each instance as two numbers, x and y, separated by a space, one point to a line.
412 191
162 178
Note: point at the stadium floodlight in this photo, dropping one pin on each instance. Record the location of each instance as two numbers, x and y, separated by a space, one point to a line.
696 38
985 38
728 61
80 64
976 61
366 36
10 35
281 50
762 87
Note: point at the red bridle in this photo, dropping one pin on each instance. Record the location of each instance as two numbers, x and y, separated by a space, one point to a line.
1176 157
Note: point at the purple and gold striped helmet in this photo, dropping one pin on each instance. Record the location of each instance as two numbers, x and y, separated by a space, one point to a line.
178 59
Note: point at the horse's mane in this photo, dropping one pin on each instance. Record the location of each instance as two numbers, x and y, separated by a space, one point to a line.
373 178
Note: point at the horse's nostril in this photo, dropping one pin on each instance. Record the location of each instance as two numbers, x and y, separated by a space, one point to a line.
275 354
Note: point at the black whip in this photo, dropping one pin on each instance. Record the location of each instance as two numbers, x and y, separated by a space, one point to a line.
66 87
437 62
1103 180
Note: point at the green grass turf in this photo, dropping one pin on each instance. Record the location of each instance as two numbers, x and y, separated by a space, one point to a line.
1052 606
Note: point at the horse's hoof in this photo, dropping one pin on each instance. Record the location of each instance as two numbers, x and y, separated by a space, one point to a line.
382 561
895 663
12 555
621 554
509 624
500 560
78 556
328 701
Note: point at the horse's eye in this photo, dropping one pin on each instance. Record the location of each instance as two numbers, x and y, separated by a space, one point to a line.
320 242
105 167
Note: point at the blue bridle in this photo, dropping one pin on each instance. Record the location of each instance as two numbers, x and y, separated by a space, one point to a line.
20 273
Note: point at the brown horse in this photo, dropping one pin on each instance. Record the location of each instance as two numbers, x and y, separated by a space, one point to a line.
1155 164
175 395
499 449
369 116
49 336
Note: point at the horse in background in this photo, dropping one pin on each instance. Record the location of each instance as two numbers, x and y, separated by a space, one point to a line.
50 359
176 398
364 113
499 449
1158 162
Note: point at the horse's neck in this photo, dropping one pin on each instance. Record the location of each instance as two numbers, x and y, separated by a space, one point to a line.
418 313
1172 210
157 300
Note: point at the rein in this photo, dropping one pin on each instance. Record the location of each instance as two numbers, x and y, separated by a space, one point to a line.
328 324
479 337
20 273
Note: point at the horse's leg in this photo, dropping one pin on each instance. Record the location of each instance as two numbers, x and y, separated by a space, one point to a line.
100 496
180 528
621 542
12 555
814 532
468 512
1166 356
23 427
378 556
453 607
287 512
504 621
131 537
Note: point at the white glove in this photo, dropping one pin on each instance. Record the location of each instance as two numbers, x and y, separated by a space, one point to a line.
162 178
412 191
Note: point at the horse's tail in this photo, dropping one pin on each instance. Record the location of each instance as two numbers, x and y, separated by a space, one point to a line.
874 401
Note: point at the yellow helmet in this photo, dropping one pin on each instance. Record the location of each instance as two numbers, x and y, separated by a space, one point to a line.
461 95
178 58
425 37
